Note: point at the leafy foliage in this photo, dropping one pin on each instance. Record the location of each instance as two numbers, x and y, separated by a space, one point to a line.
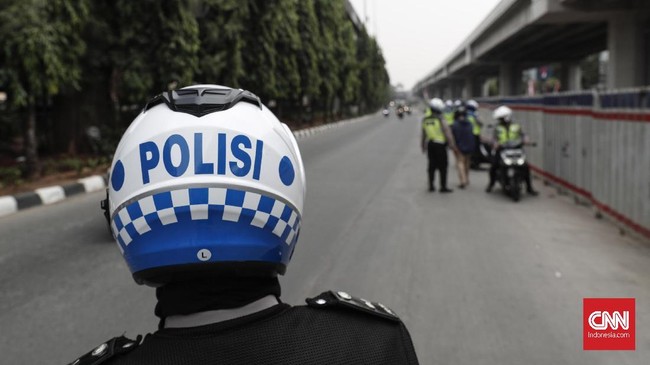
41 57
42 47
67 65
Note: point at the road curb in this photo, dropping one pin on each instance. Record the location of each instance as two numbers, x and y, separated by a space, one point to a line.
10 204
307 132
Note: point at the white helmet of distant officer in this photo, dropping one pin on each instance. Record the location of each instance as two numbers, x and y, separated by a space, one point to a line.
206 180
502 114
472 105
437 105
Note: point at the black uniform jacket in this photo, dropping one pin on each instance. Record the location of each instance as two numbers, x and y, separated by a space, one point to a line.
331 329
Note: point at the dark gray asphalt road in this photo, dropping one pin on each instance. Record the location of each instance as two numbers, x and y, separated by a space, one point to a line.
477 278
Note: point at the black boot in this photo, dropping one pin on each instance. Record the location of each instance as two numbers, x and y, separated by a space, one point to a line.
492 175
529 184
443 181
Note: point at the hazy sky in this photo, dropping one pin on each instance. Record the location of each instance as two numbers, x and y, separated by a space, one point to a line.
417 35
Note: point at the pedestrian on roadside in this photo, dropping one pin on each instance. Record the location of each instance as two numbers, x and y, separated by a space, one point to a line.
462 130
436 136
206 204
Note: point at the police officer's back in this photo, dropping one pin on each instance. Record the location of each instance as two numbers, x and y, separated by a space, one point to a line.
205 201
283 335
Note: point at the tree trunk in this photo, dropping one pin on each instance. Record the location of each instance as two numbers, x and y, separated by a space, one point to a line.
31 144
116 77
330 109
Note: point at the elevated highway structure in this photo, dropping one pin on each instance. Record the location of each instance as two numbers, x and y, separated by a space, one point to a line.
521 34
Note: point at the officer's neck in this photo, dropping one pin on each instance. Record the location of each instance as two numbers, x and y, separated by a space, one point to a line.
212 294
215 316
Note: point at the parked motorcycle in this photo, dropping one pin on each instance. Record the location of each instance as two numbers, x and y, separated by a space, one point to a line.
511 160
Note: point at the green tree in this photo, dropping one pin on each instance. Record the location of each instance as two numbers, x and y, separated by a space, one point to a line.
158 44
590 67
272 44
94 63
135 50
328 67
380 89
346 54
287 46
222 26
375 83
260 56
365 72
308 55
41 57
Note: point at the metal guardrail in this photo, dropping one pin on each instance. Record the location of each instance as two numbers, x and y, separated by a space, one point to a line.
596 144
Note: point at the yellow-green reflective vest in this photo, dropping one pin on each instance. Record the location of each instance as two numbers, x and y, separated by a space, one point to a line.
433 130
506 135
449 117
476 128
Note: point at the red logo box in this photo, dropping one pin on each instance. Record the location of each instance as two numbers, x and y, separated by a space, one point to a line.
608 324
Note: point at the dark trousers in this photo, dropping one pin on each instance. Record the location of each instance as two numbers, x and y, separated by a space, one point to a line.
438 160
476 155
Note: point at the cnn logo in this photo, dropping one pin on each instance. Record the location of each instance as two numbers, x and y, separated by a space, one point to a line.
602 320
608 324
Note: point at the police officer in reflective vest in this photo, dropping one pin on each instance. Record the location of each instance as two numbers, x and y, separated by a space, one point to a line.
205 202
472 108
507 131
448 112
435 139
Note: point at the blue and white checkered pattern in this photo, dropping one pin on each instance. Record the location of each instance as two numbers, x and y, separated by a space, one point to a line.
221 204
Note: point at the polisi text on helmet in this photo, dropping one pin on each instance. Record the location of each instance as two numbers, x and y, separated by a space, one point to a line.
238 155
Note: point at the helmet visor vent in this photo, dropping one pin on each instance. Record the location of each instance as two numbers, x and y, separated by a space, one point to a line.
203 101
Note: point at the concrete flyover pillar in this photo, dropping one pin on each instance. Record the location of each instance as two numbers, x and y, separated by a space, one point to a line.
625 42
446 92
440 91
571 76
508 79
485 87
468 88
457 89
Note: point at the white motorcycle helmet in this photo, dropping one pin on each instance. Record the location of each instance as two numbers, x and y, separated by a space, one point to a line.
472 105
437 105
502 112
206 180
